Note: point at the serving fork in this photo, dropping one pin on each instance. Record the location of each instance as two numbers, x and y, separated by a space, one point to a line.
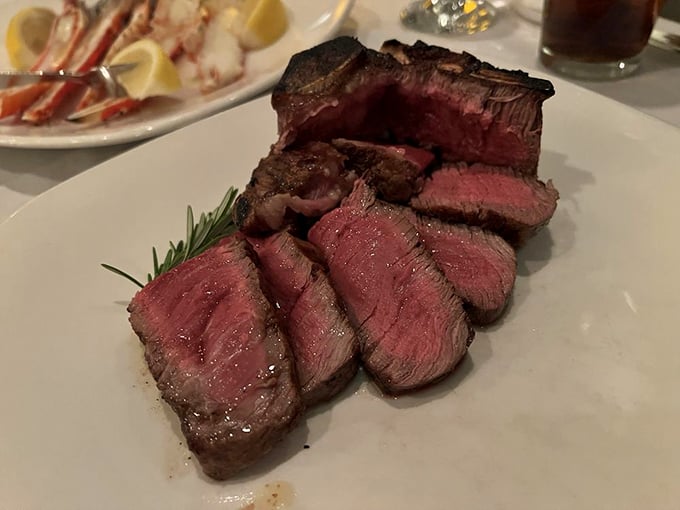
102 75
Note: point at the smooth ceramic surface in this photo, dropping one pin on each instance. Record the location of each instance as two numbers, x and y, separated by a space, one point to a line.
570 401
311 22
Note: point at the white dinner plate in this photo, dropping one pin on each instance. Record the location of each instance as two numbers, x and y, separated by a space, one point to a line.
311 22
570 402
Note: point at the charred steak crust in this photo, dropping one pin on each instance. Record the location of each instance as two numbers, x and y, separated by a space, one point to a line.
309 311
422 54
390 169
412 327
480 265
441 100
493 198
219 358
320 66
310 181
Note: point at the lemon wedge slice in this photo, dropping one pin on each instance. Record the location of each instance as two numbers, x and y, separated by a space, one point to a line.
264 22
27 34
154 74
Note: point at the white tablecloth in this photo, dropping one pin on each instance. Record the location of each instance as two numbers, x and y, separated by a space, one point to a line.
511 42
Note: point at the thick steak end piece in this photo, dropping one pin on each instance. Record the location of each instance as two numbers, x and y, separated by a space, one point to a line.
449 102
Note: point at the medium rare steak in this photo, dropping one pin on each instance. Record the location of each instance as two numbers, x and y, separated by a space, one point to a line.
493 198
323 341
308 182
219 358
480 265
396 172
423 95
412 327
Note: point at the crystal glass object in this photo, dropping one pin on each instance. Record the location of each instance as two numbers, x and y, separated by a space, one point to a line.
452 16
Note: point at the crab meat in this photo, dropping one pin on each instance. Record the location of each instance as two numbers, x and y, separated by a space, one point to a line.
137 28
219 59
178 25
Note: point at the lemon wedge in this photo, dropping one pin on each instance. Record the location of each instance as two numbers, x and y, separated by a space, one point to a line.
264 22
154 74
27 35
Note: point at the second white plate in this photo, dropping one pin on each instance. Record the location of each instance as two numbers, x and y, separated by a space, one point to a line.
311 22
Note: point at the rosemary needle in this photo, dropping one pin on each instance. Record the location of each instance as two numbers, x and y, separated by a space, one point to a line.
211 227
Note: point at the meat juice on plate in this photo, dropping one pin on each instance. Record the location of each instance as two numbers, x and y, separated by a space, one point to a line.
277 495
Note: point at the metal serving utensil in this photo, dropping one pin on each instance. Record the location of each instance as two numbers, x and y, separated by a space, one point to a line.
105 76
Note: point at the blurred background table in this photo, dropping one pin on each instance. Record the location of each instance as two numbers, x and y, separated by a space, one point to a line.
511 42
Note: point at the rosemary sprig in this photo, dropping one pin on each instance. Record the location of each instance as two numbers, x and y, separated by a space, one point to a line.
211 227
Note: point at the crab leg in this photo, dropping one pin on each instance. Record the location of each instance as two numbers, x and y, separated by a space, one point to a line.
106 109
95 44
67 32
179 27
136 28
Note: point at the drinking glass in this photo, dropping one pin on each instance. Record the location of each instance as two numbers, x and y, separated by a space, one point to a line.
531 10
452 16
596 39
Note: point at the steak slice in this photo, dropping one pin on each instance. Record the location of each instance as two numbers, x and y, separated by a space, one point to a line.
323 341
395 171
420 95
412 327
219 358
493 198
480 265
308 181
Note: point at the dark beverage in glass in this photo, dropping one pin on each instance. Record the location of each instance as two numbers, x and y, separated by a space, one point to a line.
596 38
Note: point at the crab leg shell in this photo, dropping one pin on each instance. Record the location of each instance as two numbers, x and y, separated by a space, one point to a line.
67 32
90 52
136 28
106 109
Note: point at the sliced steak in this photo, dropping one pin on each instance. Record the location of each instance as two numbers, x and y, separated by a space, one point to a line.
412 326
308 182
480 265
493 198
396 172
219 358
421 95
323 341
